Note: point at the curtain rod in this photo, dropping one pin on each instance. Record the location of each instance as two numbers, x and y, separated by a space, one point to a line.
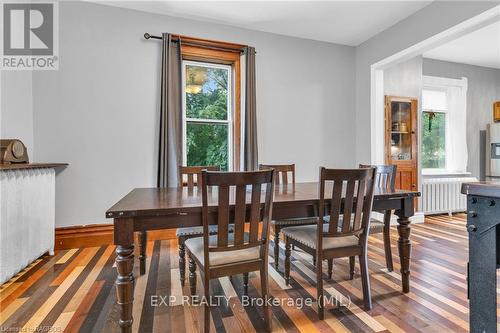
192 43
148 36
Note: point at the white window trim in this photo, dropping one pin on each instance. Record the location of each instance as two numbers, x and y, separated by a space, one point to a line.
434 82
230 110
441 83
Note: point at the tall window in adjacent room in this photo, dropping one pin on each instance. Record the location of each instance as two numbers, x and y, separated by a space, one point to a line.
444 124
434 123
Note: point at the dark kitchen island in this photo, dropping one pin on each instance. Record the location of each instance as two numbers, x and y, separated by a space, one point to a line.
483 225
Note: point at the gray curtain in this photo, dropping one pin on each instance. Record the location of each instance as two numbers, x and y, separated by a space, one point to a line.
251 154
170 141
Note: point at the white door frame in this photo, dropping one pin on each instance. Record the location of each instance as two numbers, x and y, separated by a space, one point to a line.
377 72
377 103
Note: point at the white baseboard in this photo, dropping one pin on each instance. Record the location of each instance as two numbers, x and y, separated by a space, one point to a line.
419 217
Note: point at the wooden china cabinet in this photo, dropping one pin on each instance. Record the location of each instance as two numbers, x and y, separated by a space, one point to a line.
401 139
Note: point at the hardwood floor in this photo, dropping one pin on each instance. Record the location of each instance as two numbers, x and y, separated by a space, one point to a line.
73 291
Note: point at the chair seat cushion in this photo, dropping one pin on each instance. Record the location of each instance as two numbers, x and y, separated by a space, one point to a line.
295 221
376 225
306 234
196 231
195 247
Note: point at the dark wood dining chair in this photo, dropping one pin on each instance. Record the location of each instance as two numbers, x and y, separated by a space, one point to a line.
281 177
189 177
346 234
226 253
385 179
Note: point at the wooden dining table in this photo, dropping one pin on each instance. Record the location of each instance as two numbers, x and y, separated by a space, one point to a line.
146 209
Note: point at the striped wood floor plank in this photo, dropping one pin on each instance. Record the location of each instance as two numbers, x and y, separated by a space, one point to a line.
74 291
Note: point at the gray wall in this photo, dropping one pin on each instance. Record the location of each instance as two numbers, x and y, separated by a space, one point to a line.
483 90
404 79
16 107
99 111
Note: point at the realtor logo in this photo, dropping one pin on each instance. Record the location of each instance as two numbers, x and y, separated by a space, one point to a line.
30 36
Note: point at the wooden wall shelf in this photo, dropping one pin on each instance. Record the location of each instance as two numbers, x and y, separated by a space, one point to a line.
18 166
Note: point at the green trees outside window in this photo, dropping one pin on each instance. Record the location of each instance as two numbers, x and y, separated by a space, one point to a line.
433 140
207 115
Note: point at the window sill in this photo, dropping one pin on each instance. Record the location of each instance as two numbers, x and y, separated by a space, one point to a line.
426 173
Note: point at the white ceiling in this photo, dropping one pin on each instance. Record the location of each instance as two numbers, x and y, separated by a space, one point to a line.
480 48
342 22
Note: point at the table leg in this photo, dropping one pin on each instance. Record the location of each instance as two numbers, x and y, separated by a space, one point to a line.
124 239
404 244
143 241
276 246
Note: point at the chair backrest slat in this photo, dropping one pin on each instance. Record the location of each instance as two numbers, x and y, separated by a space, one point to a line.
386 175
281 171
189 173
359 205
351 202
234 200
284 177
255 212
349 199
190 180
239 214
223 216
335 204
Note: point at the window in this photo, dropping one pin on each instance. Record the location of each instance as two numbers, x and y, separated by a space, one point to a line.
444 125
211 123
434 123
434 140
208 114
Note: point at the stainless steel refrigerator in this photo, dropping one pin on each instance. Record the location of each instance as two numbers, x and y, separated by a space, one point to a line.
493 150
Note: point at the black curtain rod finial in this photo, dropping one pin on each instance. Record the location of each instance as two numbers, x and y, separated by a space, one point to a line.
149 36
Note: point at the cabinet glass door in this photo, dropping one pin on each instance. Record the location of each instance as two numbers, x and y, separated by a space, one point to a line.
401 130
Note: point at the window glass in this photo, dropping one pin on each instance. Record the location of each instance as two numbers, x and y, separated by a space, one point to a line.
433 140
206 92
207 144
207 114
